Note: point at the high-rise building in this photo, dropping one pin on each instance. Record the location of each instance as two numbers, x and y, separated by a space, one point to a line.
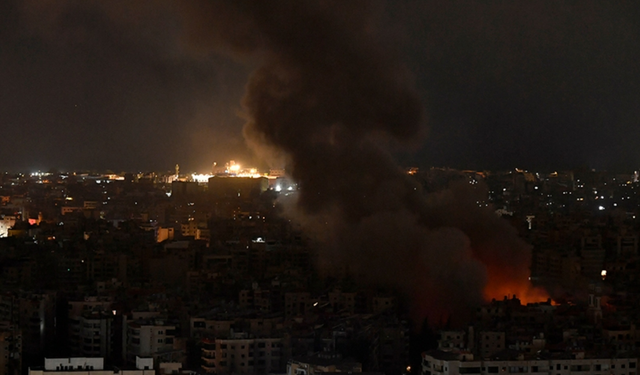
10 349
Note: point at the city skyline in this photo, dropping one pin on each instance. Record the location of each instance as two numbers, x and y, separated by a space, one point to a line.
213 274
446 166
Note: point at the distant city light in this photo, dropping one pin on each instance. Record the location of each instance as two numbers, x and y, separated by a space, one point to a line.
201 178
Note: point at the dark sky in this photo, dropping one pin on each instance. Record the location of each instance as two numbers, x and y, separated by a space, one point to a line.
96 85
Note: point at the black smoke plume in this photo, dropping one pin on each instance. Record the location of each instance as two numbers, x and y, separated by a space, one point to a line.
323 96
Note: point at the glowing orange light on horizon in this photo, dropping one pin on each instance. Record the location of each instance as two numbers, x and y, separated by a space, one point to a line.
525 292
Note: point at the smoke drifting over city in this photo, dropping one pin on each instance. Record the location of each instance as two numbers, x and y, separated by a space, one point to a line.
322 98
326 98
297 186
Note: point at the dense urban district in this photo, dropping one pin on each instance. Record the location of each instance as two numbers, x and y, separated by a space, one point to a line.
148 273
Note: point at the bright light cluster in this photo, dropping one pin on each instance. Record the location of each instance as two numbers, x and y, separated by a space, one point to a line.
201 178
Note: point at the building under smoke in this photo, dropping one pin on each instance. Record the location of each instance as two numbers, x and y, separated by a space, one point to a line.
221 187
325 95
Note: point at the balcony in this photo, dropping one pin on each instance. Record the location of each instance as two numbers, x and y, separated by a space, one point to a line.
208 354
208 360
208 369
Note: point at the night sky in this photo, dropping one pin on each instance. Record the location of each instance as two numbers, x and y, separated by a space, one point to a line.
97 85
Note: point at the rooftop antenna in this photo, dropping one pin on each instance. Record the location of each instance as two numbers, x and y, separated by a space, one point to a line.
530 220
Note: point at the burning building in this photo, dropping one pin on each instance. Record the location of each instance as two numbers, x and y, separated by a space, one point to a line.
325 92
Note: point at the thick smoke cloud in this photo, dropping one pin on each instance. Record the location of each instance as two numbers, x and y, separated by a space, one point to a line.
327 93
324 95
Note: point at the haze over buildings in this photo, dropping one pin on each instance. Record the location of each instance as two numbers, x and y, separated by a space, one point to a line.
337 259
119 270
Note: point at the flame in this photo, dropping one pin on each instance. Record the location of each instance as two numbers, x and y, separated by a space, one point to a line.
509 277
524 291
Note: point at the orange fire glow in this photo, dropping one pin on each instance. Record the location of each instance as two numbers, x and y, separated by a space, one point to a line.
507 277
524 291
